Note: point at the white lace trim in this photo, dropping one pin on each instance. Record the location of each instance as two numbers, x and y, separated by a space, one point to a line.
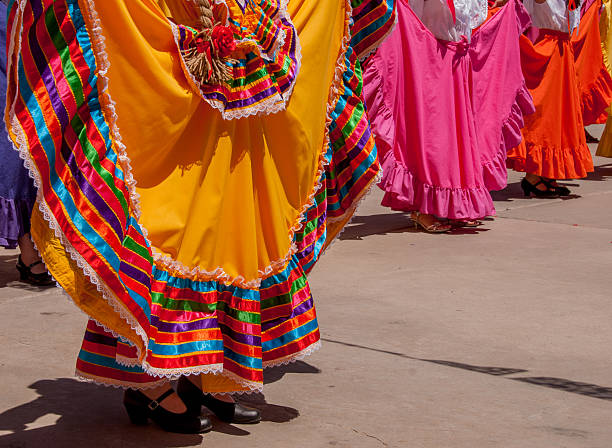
198 273
250 386
108 382
185 371
295 357
126 362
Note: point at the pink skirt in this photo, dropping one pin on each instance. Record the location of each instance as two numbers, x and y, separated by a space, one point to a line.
445 113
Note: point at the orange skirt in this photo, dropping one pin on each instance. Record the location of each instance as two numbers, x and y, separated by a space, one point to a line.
554 145
594 81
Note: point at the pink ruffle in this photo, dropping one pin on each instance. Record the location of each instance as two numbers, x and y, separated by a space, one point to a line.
596 99
495 172
404 192
382 122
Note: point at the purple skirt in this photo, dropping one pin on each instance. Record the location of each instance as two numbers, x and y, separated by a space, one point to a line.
17 191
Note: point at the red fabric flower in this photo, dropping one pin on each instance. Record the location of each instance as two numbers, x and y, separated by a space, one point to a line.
223 40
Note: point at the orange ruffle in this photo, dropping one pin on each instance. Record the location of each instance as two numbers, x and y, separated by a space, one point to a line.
594 81
554 144
550 162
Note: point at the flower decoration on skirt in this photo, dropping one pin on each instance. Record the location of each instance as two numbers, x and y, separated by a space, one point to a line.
208 55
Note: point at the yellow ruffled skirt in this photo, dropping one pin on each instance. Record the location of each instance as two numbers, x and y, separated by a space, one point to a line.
604 149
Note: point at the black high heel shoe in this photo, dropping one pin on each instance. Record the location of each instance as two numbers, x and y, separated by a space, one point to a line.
561 191
26 275
194 398
141 408
529 188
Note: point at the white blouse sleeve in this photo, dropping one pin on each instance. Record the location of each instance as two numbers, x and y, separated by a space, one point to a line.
436 16
470 14
552 15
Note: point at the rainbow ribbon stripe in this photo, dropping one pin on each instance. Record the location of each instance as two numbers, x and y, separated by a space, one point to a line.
373 22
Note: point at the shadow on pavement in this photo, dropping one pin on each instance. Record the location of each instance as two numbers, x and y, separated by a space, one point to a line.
73 413
69 412
511 192
379 224
590 390
273 374
385 223
468 230
601 173
8 272
269 412
272 412
514 191
495 371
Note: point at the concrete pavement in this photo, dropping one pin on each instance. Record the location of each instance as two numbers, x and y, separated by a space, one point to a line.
490 337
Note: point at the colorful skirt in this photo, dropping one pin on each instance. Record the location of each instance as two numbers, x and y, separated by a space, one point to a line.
445 113
182 215
604 149
594 80
17 191
554 144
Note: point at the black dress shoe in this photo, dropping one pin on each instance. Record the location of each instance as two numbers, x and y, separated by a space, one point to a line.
141 408
26 275
194 398
561 191
529 189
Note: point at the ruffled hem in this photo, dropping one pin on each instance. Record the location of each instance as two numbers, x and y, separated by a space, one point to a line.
404 192
14 220
148 381
597 98
550 162
495 172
